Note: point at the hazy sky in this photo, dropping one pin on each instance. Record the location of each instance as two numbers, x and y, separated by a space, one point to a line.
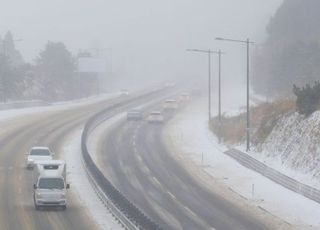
147 37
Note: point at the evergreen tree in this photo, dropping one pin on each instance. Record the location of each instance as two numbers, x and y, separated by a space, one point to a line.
55 68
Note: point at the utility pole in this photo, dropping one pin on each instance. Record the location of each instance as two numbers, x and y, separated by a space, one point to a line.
219 53
209 85
219 95
248 97
247 42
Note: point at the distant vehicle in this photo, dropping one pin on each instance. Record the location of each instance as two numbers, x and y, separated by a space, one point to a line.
170 104
38 153
49 184
155 117
134 114
124 92
184 97
170 84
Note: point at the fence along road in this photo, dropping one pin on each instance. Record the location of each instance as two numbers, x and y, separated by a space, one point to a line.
274 175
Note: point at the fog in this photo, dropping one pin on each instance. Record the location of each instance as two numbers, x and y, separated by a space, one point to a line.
147 38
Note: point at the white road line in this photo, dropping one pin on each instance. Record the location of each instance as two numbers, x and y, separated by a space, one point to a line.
139 158
172 196
190 211
156 181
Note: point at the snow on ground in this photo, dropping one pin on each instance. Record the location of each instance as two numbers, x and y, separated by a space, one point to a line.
293 148
190 135
81 186
14 113
96 136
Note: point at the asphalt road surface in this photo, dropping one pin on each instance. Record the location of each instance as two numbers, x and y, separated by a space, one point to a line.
16 137
137 162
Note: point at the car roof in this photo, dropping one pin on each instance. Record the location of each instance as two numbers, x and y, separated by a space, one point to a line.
40 147
51 162
135 110
155 112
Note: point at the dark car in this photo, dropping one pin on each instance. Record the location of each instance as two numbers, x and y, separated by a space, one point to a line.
134 114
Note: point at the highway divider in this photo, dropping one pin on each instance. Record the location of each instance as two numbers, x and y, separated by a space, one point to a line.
130 216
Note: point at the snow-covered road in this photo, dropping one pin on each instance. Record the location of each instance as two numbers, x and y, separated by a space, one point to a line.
192 139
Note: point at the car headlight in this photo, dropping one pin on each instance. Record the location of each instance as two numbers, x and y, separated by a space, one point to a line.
39 195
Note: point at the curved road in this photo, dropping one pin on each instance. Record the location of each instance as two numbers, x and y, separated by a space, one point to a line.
16 137
135 159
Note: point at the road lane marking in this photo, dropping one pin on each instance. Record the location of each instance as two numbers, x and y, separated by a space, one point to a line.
190 211
156 181
172 196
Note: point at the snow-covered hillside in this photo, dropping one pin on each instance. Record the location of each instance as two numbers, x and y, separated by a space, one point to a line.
295 143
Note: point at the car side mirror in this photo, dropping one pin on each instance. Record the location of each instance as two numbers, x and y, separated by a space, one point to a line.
34 186
67 186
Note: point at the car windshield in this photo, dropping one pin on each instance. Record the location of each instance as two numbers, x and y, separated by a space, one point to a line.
51 183
40 152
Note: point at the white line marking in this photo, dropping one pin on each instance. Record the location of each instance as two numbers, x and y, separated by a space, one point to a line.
172 196
190 211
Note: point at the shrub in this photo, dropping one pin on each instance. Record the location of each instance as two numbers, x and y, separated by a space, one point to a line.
308 98
263 118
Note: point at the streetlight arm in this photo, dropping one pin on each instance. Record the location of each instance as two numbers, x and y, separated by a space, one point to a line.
200 51
233 40
205 51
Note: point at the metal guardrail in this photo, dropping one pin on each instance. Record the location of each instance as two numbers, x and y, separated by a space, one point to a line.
274 175
126 212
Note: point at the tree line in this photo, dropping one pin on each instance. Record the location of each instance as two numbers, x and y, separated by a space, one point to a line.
291 54
52 77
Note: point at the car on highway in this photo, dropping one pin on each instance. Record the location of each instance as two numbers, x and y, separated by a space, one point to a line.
124 92
49 186
184 97
155 117
134 114
170 104
38 153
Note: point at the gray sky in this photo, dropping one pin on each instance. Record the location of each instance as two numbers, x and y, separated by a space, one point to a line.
148 38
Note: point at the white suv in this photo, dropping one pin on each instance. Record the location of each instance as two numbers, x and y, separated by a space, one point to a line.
38 154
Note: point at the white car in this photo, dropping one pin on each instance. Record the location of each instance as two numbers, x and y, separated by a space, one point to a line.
38 153
124 92
49 184
155 117
184 97
170 104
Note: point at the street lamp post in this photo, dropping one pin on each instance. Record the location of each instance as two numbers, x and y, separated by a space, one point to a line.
219 95
210 52
247 42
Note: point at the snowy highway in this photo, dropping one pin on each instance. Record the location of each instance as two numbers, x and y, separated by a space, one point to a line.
134 158
18 135
45 126
133 155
